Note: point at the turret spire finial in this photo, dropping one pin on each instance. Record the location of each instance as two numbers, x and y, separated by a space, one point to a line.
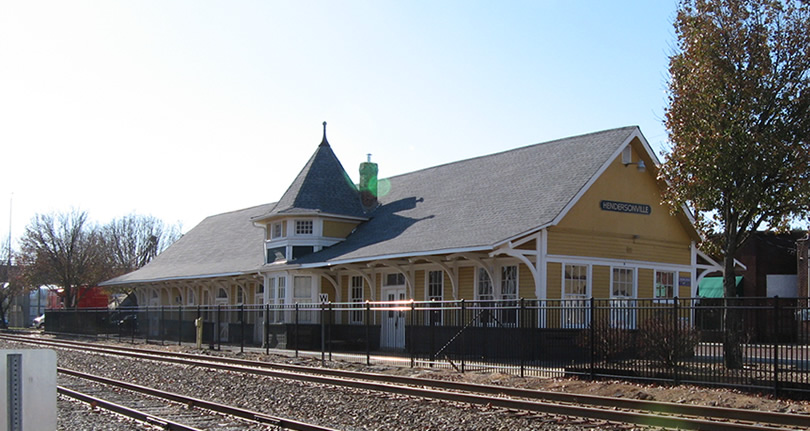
324 142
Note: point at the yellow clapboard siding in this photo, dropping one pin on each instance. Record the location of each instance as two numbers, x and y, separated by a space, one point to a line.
600 283
569 243
553 280
466 282
525 282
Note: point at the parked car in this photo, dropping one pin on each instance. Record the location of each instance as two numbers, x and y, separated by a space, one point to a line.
39 322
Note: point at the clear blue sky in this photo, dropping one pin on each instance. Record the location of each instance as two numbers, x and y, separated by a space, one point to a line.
185 109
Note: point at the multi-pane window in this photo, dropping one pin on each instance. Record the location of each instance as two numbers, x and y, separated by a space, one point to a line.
302 293
622 313
575 311
357 299
484 291
622 283
190 297
435 285
576 281
303 227
509 293
277 230
509 282
240 295
664 284
282 291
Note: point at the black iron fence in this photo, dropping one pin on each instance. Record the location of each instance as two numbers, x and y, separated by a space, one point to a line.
762 344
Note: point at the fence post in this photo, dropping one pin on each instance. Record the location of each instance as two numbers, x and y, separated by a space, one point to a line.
593 339
523 344
432 356
242 328
461 337
296 329
411 347
676 337
216 326
368 333
776 346
266 329
160 326
323 334
180 324
329 328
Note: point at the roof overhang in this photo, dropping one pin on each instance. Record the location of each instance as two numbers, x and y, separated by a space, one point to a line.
301 213
177 278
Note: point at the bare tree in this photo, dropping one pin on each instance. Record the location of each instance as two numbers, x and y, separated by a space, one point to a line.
64 249
134 240
11 283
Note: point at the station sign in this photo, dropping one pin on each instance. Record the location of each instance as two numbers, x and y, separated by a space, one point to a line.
625 207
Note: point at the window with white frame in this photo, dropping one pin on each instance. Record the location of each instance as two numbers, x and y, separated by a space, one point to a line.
623 281
435 284
190 297
356 299
302 289
222 296
664 285
509 293
303 227
277 230
302 293
240 295
575 281
509 282
281 299
574 304
484 290
622 292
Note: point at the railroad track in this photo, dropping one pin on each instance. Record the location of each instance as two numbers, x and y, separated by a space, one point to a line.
619 410
169 410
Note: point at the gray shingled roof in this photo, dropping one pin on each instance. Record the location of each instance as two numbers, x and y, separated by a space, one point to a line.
321 187
475 203
479 202
221 244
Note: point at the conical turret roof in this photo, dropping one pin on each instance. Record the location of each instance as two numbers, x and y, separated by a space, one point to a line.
322 186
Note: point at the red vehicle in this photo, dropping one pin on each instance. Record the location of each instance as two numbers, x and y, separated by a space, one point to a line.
89 297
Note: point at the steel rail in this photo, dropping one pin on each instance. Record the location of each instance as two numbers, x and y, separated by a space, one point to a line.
200 403
362 380
126 411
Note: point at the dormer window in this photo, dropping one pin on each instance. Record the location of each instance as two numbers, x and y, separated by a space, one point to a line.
277 230
276 254
303 227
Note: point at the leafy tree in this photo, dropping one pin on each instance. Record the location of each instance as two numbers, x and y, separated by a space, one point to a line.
134 240
739 121
64 249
